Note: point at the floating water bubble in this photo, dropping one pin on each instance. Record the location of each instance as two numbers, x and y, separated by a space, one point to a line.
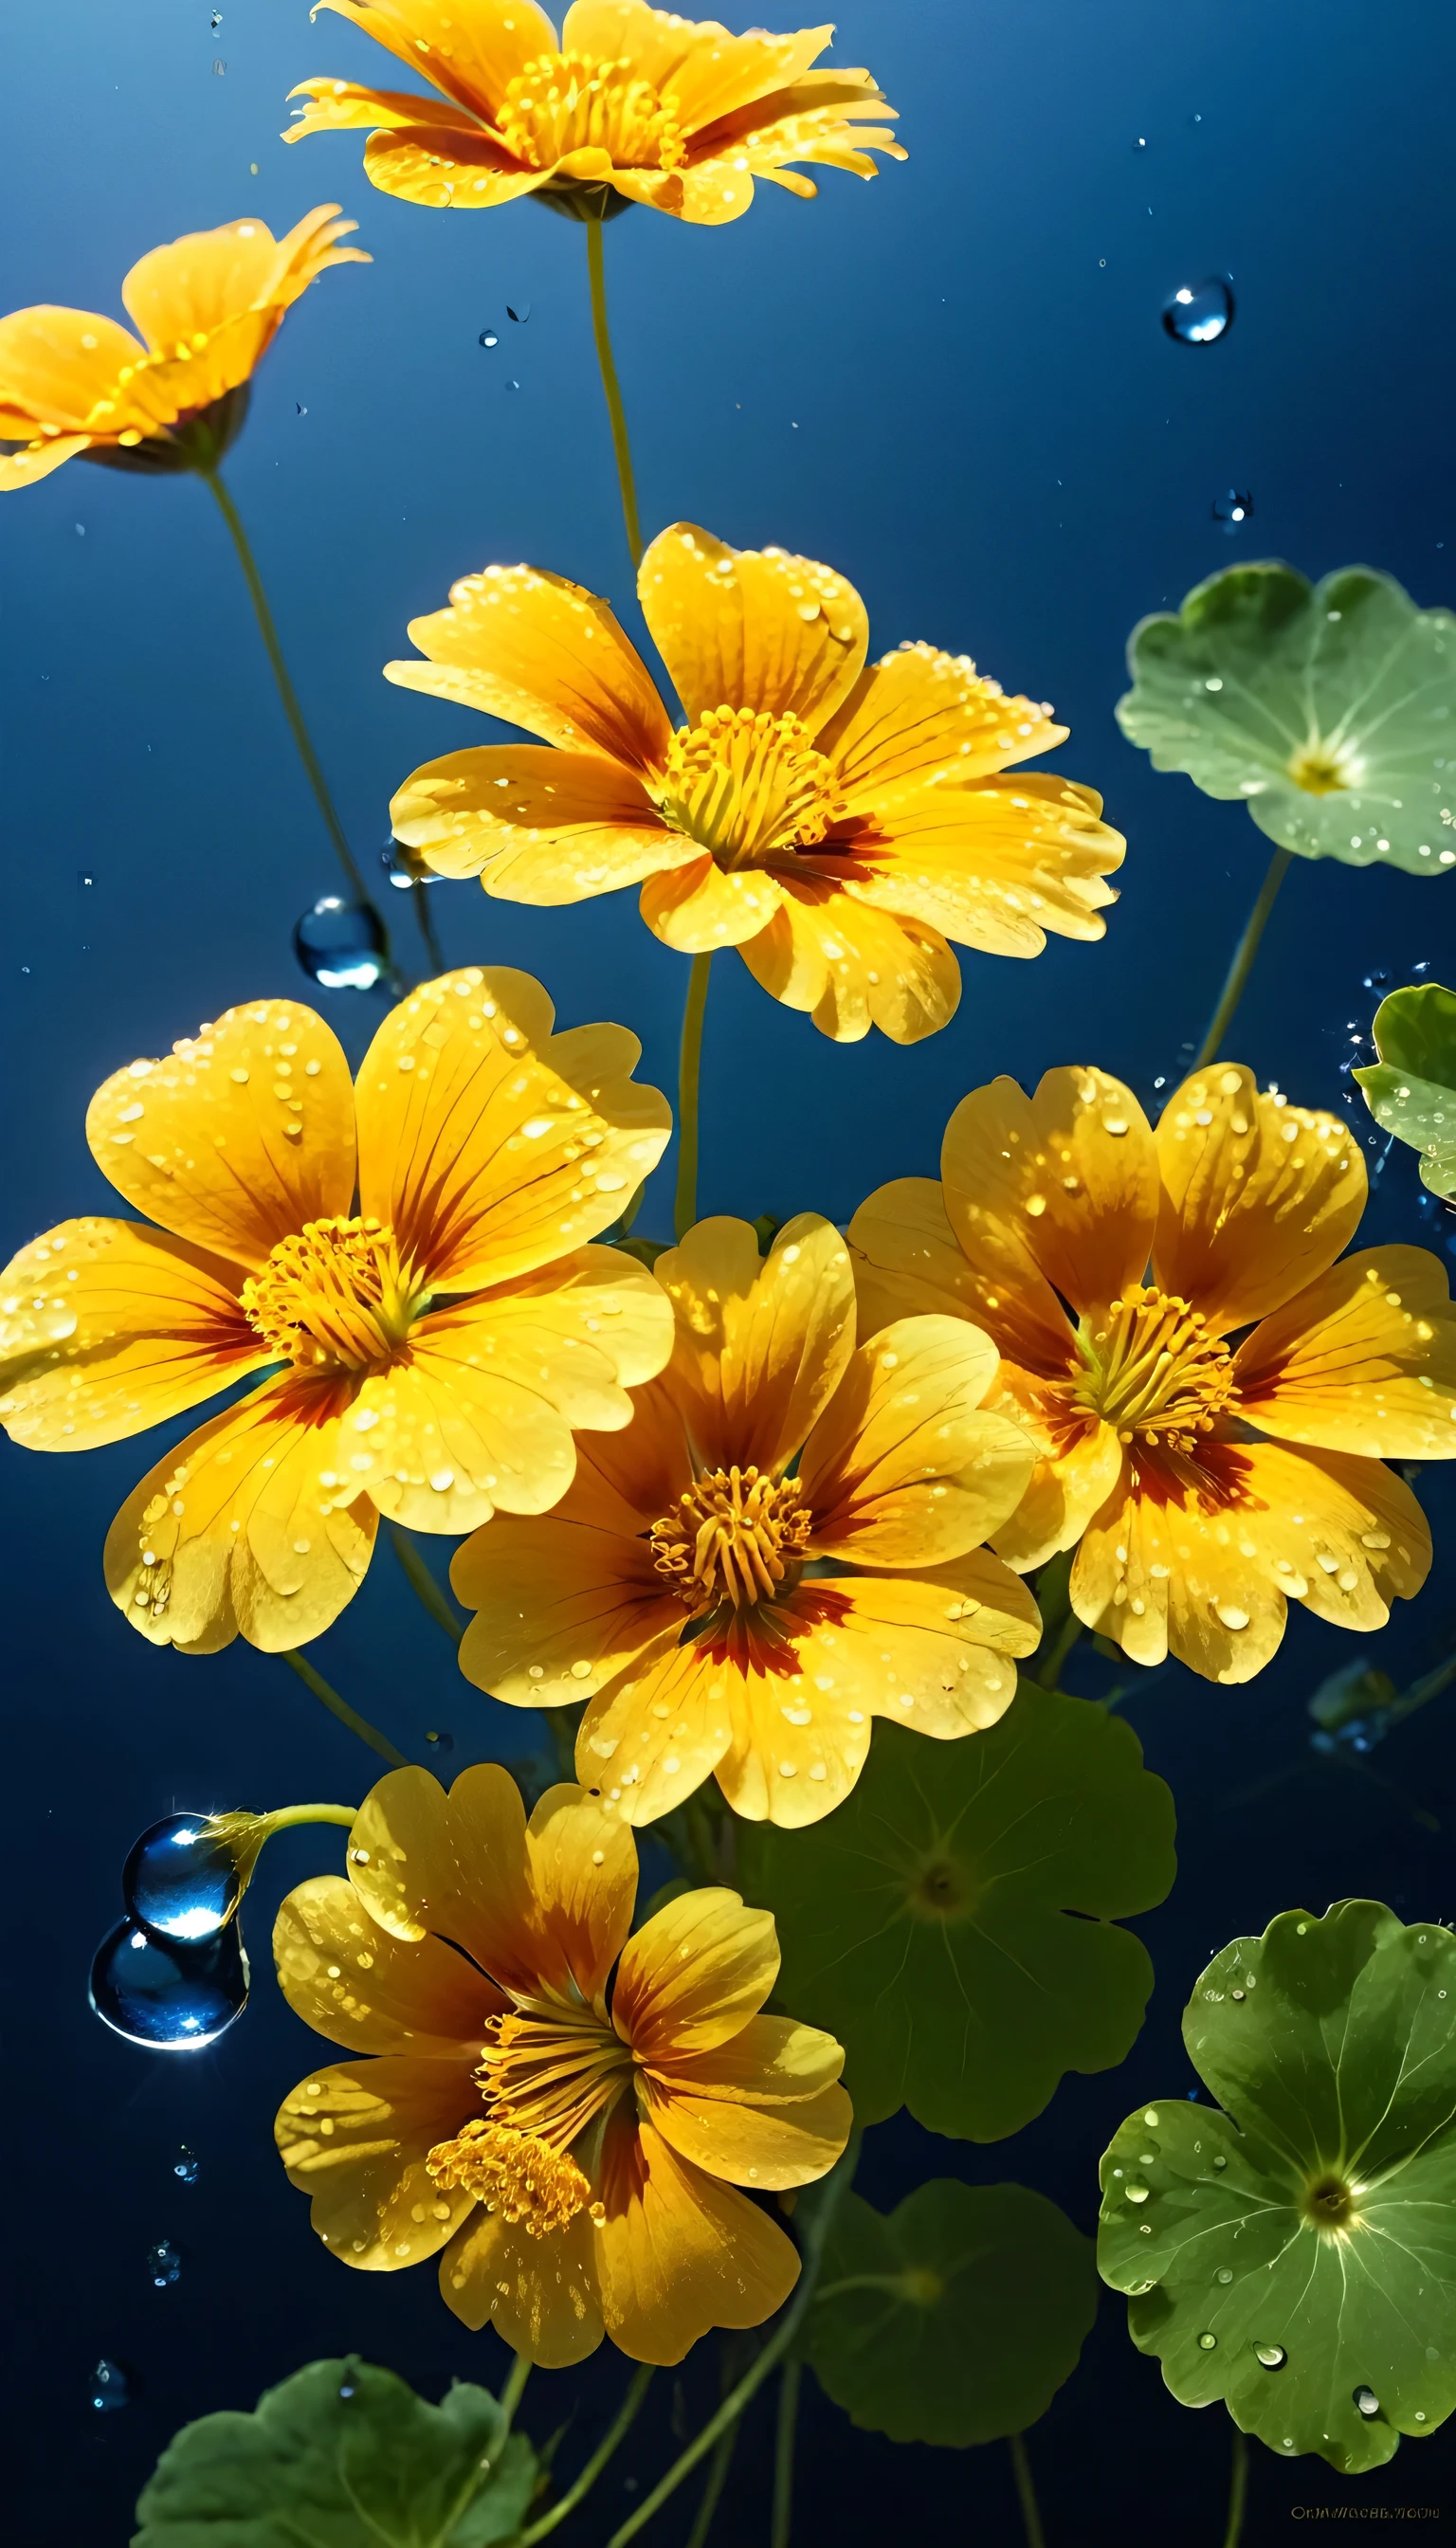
405 868
180 1881
164 1996
340 945
488 336
185 2166
1199 313
1232 507
522 315
110 2388
1272 2356
163 2264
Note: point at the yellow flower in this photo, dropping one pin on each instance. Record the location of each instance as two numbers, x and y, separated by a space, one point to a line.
781 1546
835 823
73 383
440 1341
652 107
574 2143
1212 1423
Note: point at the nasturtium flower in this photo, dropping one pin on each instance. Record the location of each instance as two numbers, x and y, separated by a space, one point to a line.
1212 1423
74 385
783 1545
574 2119
835 822
627 103
440 1339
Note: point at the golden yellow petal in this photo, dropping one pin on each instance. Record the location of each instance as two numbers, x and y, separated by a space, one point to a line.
492 1146
344 106
362 1988
398 1856
770 2062
356 2136
710 72
853 966
107 1327
997 865
625 1482
680 2252
908 1261
26 468
471 54
1077 1469
695 907
582 1869
919 714
766 2148
760 1346
694 1974
905 1468
539 2294
209 304
1363 1359
751 628
561 1608
236 1137
59 366
535 826
1258 1196
541 653
1341 1534
459 171
651 1736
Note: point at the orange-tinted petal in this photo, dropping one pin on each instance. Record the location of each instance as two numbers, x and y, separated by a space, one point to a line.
37 459
1258 1196
853 966
908 1261
680 2252
1055 1193
1078 1465
710 72
534 825
492 1146
559 1608
751 628
712 2113
356 2136
543 654
344 106
696 905
694 1974
471 54
355 1983
254 1524
424 1864
1363 1359
457 171
210 304
761 1344
236 1137
905 1468
107 1327
919 714
57 366
539 2294
994 866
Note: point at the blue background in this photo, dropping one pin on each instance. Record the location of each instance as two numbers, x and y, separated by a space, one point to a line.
953 385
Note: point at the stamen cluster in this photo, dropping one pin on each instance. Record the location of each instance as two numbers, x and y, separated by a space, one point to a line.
742 782
564 102
333 1295
1153 1370
521 2178
734 1536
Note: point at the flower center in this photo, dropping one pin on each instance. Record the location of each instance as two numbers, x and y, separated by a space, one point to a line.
732 1537
564 102
524 2179
1324 768
1153 1370
742 782
1331 2206
335 1296
549 2072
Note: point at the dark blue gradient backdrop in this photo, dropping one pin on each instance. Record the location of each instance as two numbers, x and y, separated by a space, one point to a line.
954 385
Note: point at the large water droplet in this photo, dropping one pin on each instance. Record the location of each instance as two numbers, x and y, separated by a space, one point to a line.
340 945
163 2264
1207 2340
488 336
1367 2402
1136 2193
164 1996
180 1881
1199 313
1272 2356
110 2388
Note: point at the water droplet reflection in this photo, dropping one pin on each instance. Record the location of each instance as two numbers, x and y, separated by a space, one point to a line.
185 2166
1272 2356
179 1881
1232 507
405 868
167 1997
340 945
488 336
163 2264
110 2388
1199 313
1367 2402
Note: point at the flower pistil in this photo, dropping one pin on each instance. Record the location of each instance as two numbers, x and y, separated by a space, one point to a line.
1152 1370
733 1537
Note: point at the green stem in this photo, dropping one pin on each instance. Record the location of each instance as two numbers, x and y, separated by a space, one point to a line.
833 2189
690 1064
313 768
784 2440
1237 2490
583 2484
1244 958
596 270
1063 1643
340 1708
510 2395
717 2478
1025 2493
284 1817
423 1585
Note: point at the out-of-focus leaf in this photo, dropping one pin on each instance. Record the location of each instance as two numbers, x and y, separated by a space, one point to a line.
1411 1090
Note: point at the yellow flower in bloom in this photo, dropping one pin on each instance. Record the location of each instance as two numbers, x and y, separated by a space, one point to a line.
781 1546
74 384
566 2112
835 823
440 1338
1214 1395
650 106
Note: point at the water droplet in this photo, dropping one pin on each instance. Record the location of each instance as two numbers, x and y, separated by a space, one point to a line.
1232 507
1199 313
522 315
1237 1994
219 70
216 20
1150 2117
179 1881
1272 2356
340 945
303 410
1225 2274
405 868
163 2264
167 1997
1139 143
1220 2163
441 1742
488 336
1136 2193
185 2166
110 2388
512 385
1367 2402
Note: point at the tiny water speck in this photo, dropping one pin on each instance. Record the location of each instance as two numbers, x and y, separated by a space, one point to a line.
80 531
163 2264
512 385
303 410
488 336
1199 313
110 2388
522 315
219 70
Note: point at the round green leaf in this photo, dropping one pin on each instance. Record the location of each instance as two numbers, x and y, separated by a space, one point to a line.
1411 1090
343 2456
1330 709
957 2317
928 1922
1296 2255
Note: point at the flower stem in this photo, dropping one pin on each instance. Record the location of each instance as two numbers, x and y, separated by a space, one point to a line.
340 1708
313 768
788 2416
595 268
684 1202
1238 2490
423 1585
1067 1638
1025 2493
717 2478
284 1817
1244 958
831 2191
582 2485
510 2395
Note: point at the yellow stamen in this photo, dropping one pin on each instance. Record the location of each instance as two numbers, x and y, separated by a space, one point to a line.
734 1537
1154 1371
549 2072
514 2175
335 1296
742 783
564 102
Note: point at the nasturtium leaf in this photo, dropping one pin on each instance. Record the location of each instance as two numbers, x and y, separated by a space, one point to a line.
341 2456
928 1922
1296 2255
1329 709
1411 1090
956 2318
